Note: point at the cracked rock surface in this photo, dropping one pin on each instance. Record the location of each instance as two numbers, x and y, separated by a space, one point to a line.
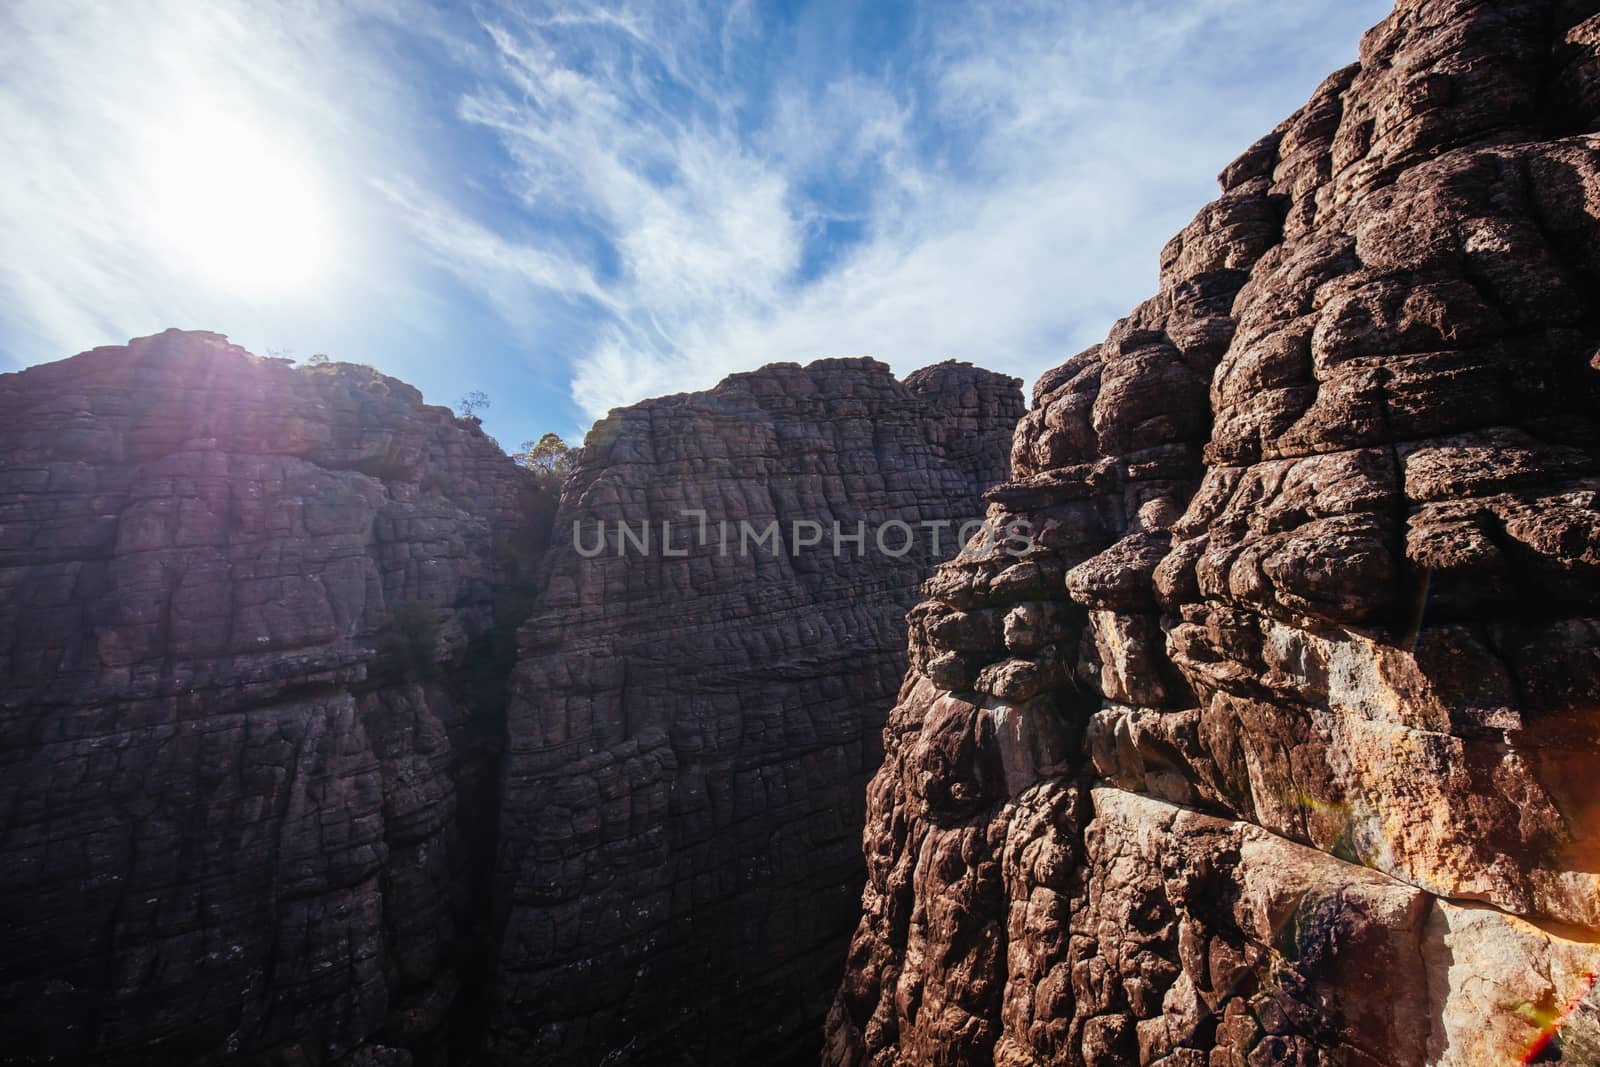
1280 749
258 638
690 734
249 716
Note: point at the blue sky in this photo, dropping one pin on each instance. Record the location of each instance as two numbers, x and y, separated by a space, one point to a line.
575 207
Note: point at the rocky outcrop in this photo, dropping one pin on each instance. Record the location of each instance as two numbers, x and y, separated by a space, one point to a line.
258 636
1298 768
252 707
699 699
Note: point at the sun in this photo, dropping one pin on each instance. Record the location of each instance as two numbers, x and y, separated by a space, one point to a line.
236 209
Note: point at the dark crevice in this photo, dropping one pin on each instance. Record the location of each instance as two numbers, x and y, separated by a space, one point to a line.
483 684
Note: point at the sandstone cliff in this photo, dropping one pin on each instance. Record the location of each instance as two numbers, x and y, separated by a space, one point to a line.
250 711
1280 750
691 735
257 642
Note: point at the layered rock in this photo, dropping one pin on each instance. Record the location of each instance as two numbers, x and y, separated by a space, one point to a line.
699 699
252 707
258 631
1277 749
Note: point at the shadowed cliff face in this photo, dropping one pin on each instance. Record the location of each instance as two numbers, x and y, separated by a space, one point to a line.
257 641
251 712
691 735
1282 750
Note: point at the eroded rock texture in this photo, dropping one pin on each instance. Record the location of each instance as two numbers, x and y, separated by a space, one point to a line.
249 724
1281 749
690 734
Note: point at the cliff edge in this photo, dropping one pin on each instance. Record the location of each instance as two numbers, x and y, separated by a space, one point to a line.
1280 749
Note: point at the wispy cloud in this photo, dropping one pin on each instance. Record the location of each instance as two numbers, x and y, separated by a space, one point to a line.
615 200
1011 187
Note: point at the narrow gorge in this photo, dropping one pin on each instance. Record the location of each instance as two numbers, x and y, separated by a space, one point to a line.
332 737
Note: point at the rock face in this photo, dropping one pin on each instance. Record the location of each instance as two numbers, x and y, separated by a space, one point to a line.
251 710
1280 748
693 723
258 635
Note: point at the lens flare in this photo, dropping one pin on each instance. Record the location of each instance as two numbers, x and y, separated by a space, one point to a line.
1550 1026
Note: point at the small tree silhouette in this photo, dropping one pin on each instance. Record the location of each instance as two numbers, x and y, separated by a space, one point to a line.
318 359
472 403
549 458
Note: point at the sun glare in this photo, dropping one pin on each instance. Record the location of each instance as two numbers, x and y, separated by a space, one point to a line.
239 211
